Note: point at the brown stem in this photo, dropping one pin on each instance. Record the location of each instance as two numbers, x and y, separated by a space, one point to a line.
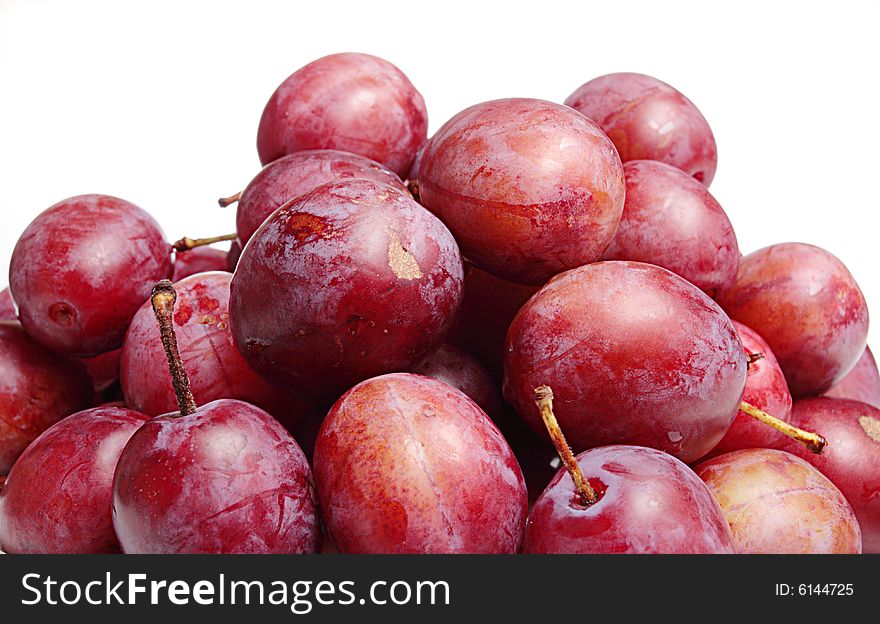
751 358
228 201
163 298
544 401
413 186
186 243
812 441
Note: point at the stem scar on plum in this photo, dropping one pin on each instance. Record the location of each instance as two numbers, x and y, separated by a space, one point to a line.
544 401
163 298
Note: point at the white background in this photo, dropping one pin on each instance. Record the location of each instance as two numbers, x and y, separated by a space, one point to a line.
159 102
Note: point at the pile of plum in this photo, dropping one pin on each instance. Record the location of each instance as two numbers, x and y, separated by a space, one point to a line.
334 382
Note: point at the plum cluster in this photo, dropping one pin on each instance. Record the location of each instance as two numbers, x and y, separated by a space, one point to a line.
531 332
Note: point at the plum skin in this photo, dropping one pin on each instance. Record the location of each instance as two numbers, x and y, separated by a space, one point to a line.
37 389
226 479
432 475
215 367
861 383
649 502
296 174
765 389
487 310
852 458
199 260
453 366
777 503
73 251
671 220
809 309
648 119
57 496
353 102
352 280
634 354
529 188
7 306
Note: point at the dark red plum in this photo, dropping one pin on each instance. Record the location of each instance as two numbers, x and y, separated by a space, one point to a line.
104 371
489 306
635 355
765 389
352 280
861 383
199 260
649 120
776 503
529 188
215 367
225 477
234 254
453 366
648 502
431 475
352 102
852 459
37 389
295 175
809 309
671 220
413 175
81 270
57 497
7 306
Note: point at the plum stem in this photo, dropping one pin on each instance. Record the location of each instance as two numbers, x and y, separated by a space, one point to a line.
186 243
544 401
163 298
813 441
413 186
228 201
751 358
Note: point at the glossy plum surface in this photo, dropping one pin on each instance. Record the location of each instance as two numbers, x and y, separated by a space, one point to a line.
7 306
861 383
453 366
852 458
809 309
649 120
295 175
777 503
37 389
352 102
529 188
765 389
57 497
671 220
226 479
81 270
199 260
634 354
649 502
347 282
216 369
489 306
431 475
